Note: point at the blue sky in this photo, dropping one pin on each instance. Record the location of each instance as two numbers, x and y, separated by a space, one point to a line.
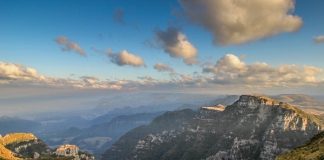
150 40
28 30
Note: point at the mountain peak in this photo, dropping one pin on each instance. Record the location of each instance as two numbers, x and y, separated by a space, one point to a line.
263 100
253 127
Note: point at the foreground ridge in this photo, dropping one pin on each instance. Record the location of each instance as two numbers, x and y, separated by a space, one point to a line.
17 146
313 150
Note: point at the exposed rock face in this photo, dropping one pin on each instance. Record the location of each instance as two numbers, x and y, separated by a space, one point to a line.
67 150
252 128
73 151
18 146
219 108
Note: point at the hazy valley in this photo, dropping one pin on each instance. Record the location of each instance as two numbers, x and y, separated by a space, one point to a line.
248 128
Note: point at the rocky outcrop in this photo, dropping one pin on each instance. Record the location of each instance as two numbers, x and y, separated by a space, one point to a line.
254 127
16 146
72 151
67 150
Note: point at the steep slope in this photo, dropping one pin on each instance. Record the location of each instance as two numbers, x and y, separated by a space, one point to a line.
252 128
6 153
12 152
313 150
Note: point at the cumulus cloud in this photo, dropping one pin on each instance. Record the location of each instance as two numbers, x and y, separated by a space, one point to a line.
319 39
163 68
231 70
118 16
14 72
126 58
228 74
176 44
236 22
68 45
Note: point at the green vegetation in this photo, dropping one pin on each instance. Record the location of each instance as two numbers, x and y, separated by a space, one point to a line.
313 150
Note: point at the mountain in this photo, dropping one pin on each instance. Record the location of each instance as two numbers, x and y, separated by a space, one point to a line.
21 145
313 150
254 127
220 100
99 137
10 124
124 111
311 104
16 146
149 102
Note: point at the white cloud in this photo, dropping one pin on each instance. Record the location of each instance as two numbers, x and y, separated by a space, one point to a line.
236 22
177 45
231 70
228 74
126 58
13 72
319 39
68 45
16 74
163 68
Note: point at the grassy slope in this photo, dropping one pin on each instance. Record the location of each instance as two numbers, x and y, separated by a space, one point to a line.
313 150
13 138
6 154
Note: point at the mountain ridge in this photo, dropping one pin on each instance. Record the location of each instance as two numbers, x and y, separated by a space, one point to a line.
253 127
17 146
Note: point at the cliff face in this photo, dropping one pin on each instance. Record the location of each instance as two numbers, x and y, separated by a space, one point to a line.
251 128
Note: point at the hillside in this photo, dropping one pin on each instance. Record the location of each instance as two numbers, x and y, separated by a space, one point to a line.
253 127
312 150
16 146
10 139
97 138
6 153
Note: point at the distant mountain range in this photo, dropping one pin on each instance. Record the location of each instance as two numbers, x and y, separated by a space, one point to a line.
254 127
10 124
118 127
310 104
99 137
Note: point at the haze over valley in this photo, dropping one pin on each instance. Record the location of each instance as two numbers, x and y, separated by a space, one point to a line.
162 79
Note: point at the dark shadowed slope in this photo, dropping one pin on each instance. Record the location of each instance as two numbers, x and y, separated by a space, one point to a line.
313 150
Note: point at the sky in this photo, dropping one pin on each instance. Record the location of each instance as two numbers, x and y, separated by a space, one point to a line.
223 46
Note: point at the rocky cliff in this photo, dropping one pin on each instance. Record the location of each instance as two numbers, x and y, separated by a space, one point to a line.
16 146
253 127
